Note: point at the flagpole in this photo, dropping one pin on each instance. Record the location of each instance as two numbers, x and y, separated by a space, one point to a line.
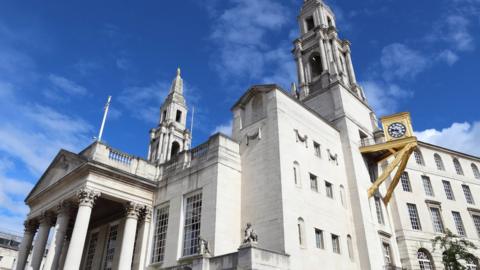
104 118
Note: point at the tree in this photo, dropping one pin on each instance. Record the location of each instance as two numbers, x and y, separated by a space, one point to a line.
455 250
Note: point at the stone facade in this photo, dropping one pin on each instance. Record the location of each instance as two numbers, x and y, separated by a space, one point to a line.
291 170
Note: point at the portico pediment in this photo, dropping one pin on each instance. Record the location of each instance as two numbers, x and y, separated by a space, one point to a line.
64 163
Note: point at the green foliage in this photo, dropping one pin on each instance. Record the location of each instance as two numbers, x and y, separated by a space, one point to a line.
455 250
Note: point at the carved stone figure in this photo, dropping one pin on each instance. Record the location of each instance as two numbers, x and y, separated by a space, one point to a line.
250 235
203 246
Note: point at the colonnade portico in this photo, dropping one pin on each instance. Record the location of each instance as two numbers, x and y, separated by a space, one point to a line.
65 250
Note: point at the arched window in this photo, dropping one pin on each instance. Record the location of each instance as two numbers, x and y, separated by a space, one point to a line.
475 170
350 246
419 157
439 162
458 166
315 62
301 232
425 259
296 174
257 108
342 196
175 149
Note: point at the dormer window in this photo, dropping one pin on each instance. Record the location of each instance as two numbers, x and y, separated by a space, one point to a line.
178 117
309 23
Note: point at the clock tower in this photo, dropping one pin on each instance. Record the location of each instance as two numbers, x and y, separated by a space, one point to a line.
328 85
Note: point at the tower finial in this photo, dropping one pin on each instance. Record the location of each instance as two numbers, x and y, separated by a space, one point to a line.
178 71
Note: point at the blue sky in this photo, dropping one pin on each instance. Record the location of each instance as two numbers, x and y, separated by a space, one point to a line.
60 60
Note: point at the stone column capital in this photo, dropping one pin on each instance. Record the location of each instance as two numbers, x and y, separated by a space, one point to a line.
146 214
31 226
46 218
63 208
133 210
87 197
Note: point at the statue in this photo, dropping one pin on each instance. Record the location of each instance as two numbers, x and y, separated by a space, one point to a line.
250 236
203 246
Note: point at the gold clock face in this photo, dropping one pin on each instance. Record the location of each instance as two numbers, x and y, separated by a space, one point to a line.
397 130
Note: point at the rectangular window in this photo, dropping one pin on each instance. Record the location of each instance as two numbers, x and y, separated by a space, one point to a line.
319 239
406 182
316 148
329 189
427 185
448 190
437 220
92 246
468 194
309 23
336 243
313 183
476 222
378 208
414 219
457 218
110 248
191 228
387 254
178 117
160 234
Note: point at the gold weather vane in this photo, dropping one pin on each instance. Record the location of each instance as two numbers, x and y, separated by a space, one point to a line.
399 143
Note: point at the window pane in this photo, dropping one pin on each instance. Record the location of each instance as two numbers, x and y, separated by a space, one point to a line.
319 238
92 246
406 182
329 189
160 234
436 220
313 183
476 222
193 215
336 243
448 190
414 219
458 223
110 250
378 208
427 185
468 194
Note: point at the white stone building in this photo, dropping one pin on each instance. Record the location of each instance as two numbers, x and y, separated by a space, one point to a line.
292 169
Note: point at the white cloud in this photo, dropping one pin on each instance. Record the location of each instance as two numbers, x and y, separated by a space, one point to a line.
224 129
458 34
448 56
384 97
463 137
242 32
401 62
67 85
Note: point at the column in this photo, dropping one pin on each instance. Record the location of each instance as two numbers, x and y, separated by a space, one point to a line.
323 54
142 255
86 199
26 245
169 141
41 240
351 71
58 238
128 240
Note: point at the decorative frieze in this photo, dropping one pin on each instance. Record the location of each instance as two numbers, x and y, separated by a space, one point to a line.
332 157
300 138
87 197
256 135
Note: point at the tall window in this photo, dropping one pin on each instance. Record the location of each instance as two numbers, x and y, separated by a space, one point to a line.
317 149
387 254
350 246
378 209
309 23
342 196
437 220
336 243
476 222
329 189
448 190
414 219
468 194
419 157
427 185
191 229
458 166
160 234
296 173
457 218
178 116
424 260
313 183
301 232
476 172
406 182
110 248
439 162
92 246
319 239
315 62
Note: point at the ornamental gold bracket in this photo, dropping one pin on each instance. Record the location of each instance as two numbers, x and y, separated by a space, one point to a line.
399 149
